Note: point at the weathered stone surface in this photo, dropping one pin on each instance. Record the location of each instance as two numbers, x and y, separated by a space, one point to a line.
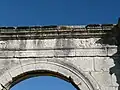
109 88
3 80
114 81
84 63
16 71
91 52
103 63
86 56
51 43
87 43
6 64
112 51
103 78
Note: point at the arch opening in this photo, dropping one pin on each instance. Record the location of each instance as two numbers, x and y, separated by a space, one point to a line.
38 73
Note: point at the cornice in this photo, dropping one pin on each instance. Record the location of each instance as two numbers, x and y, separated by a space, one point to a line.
48 32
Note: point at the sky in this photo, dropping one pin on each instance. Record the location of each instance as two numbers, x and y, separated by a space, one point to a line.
56 12
43 83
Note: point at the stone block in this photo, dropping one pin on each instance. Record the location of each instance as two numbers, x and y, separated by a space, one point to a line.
103 78
49 43
91 52
37 60
112 51
46 66
27 61
29 44
84 63
114 81
3 80
7 53
16 44
28 67
108 88
37 53
7 64
64 72
8 76
64 52
103 63
16 71
87 43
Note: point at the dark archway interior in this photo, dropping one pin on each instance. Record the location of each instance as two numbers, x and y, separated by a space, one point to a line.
31 74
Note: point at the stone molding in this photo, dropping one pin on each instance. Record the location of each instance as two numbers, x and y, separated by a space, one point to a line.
49 32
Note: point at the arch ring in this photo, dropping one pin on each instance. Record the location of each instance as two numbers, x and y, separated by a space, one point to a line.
59 68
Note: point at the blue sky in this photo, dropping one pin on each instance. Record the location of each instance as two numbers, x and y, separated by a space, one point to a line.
43 83
56 12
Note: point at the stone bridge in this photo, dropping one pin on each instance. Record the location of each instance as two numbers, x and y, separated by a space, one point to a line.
85 56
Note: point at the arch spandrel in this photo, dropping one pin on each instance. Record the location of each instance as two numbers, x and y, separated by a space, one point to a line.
61 69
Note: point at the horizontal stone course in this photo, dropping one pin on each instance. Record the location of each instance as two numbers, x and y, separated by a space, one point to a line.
52 53
53 44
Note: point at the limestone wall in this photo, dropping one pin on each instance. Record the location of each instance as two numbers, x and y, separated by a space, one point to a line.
90 62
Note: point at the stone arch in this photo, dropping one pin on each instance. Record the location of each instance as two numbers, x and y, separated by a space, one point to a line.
58 68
